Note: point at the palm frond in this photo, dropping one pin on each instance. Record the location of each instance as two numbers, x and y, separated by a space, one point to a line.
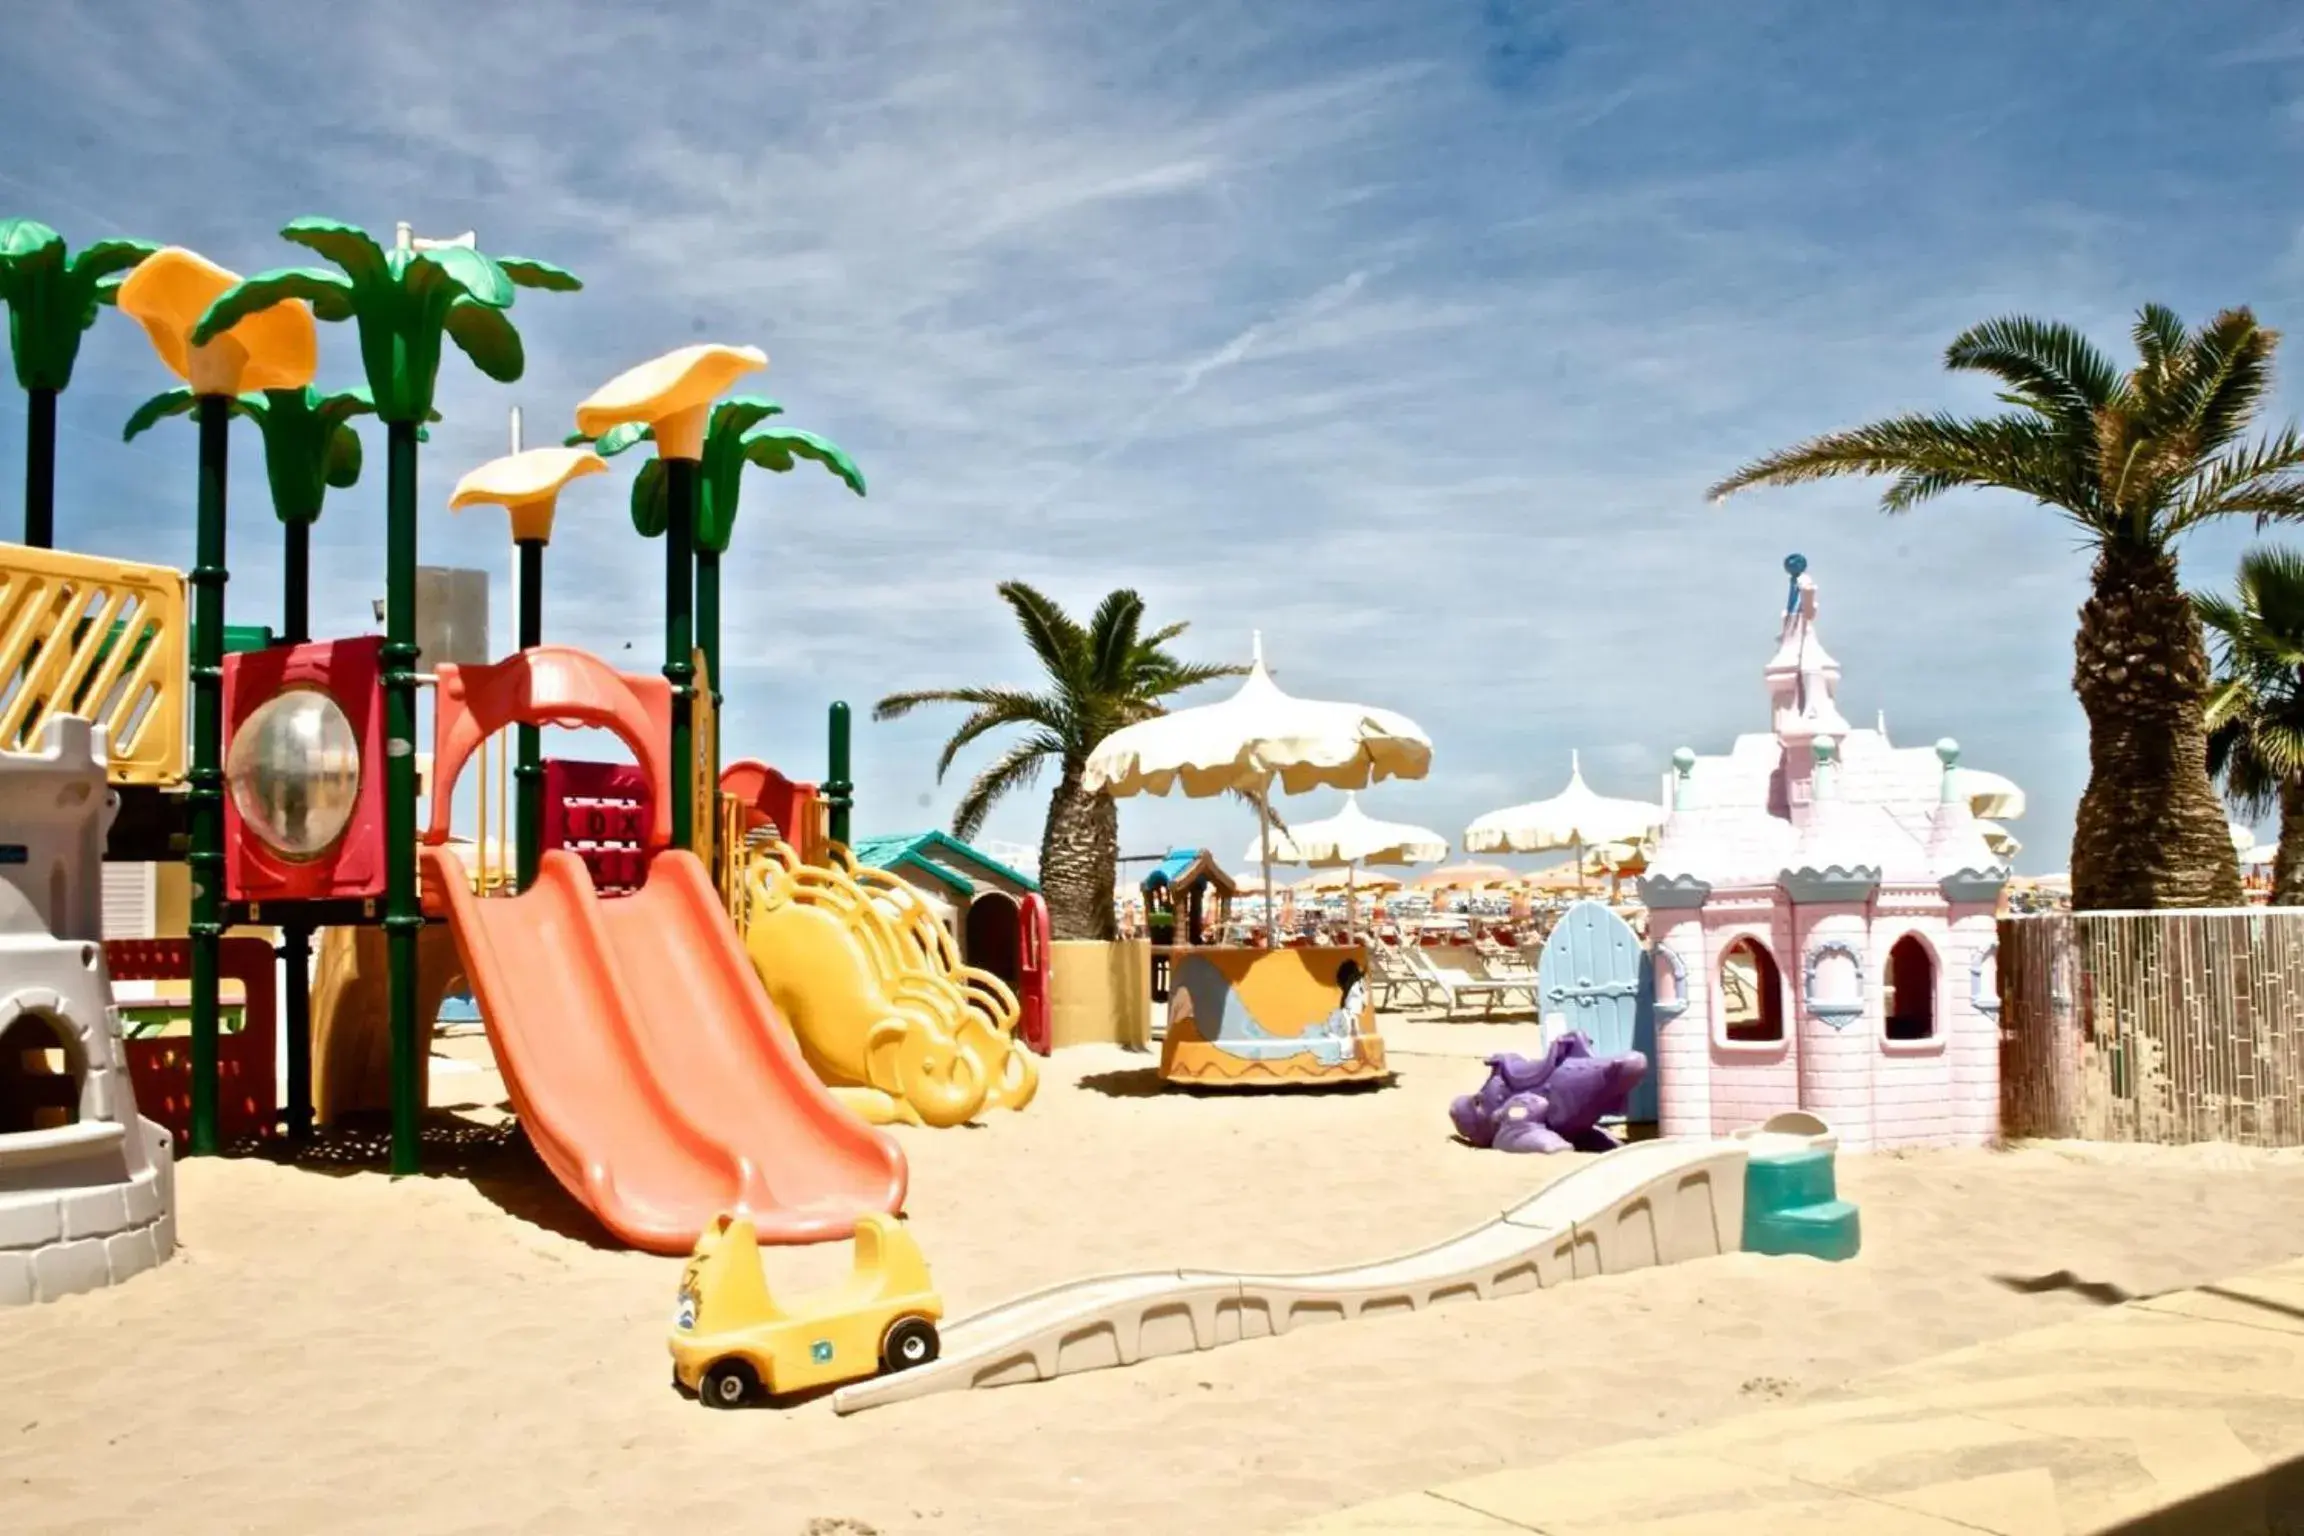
1055 637
1929 454
2047 365
2229 377
1017 768
1112 638
2265 480
1001 707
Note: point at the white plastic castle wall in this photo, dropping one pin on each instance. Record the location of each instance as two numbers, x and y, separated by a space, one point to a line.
86 1183
1822 911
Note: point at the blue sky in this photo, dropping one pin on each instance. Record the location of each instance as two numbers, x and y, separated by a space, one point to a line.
1408 331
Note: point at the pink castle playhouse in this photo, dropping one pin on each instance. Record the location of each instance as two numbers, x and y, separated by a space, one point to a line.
1821 906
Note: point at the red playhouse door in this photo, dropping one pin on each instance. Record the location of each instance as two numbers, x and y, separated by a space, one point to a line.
1032 957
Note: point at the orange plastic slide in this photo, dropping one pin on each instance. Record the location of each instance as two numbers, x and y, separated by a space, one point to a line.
648 1067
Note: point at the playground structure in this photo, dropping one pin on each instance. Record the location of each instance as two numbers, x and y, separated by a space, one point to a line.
1249 1018
644 1054
1651 1203
875 990
1862 866
87 1194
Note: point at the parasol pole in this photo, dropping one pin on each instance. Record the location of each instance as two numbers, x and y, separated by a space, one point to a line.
1351 904
1264 847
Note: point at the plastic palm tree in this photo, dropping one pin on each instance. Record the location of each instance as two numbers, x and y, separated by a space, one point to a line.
1100 677
310 448
2135 460
52 300
2256 709
405 304
739 434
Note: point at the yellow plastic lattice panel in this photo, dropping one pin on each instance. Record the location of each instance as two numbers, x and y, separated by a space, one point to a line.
103 639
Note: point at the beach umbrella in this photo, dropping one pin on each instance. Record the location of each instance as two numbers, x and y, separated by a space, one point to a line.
1989 795
1999 839
1350 838
2262 853
1465 877
1571 819
1345 878
1258 737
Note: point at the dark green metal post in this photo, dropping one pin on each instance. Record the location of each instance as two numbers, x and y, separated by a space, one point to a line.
680 638
708 622
40 469
529 774
838 788
295 935
206 861
708 642
403 917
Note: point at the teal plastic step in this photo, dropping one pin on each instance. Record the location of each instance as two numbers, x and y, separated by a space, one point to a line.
1783 1181
1829 1230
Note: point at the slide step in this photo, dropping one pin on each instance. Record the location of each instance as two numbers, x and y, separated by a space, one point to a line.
1785 1181
1830 1231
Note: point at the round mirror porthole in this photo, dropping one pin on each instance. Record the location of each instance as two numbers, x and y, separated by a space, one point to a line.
293 772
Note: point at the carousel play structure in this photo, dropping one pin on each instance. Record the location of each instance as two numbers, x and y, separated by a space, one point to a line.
647 1059
1264 1016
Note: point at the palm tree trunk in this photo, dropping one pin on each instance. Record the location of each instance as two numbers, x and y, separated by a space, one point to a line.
1080 860
2151 831
2288 861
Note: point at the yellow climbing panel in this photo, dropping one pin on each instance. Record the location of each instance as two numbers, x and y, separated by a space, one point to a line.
874 989
102 639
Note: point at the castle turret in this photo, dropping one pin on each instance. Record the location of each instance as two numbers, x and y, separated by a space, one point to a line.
1971 877
85 1182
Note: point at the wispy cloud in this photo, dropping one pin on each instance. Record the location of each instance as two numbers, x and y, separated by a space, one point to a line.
1408 334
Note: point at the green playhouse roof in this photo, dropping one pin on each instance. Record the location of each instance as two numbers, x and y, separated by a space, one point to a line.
939 856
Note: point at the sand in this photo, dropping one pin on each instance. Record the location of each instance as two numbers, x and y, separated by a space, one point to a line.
333 1351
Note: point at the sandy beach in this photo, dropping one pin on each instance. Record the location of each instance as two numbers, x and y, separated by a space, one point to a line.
333 1351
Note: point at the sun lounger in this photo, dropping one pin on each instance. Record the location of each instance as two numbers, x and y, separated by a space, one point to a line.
1459 989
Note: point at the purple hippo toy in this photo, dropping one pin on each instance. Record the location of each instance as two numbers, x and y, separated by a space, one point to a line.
1550 1103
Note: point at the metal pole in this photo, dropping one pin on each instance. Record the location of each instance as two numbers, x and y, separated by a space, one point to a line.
528 597
1264 849
296 934
40 468
206 861
403 915
680 640
838 789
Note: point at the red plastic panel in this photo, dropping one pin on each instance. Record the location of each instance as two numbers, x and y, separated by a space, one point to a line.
351 673
161 1070
601 813
767 795
551 685
1032 963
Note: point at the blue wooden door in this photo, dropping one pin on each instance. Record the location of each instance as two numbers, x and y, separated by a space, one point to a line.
1592 977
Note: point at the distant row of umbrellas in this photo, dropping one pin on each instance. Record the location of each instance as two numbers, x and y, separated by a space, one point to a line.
1262 738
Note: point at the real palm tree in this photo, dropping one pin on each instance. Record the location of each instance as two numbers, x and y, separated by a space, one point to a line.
404 302
2256 706
1099 678
2135 460
51 303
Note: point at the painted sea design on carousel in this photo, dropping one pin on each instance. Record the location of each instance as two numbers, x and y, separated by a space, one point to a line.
1271 1018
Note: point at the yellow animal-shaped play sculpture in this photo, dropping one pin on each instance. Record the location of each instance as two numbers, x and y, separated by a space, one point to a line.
873 986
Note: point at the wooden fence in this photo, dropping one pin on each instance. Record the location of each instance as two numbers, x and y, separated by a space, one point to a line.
2163 1027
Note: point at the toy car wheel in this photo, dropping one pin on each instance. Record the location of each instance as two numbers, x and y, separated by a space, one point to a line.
728 1384
911 1341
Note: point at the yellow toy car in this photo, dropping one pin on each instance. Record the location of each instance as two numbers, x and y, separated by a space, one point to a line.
731 1342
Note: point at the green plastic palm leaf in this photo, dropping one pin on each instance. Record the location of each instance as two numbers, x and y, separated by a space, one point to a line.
53 297
781 448
651 510
169 402
528 272
405 302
